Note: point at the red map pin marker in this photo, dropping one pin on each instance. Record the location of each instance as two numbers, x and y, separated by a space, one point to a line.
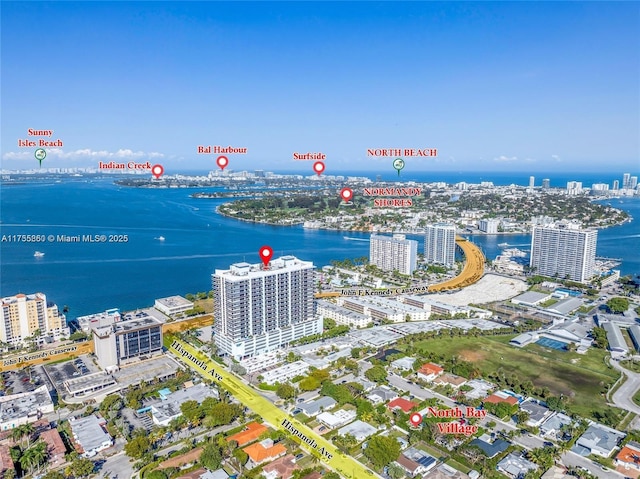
222 162
318 167
157 171
346 194
415 419
265 255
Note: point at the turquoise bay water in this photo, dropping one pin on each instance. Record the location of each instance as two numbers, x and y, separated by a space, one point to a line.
91 277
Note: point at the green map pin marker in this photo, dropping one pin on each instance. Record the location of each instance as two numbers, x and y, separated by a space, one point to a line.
40 155
398 164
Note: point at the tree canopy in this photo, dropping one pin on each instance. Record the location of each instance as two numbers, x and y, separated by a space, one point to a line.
381 450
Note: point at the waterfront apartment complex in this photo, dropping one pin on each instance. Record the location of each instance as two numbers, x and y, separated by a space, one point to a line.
26 314
261 309
394 253
563 250
489 226
440 243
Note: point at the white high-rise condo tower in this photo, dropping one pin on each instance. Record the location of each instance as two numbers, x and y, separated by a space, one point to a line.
393 253
563 250
440 243
261 309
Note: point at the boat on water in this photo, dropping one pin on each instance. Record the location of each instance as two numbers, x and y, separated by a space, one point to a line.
503 245
38 254
354 239
160 238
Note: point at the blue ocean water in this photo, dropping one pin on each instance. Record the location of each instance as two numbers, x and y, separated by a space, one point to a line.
91 277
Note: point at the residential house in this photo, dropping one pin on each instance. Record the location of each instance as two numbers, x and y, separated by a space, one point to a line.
314 408
490 446
280 468
381 395
251 432
403 364
403 404
629 456
516 466
537 412
55 447
429 371
598 439
448 379
263 451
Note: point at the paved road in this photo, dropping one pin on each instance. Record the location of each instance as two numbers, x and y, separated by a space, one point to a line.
575 460
472 271
117 466
316 444
623 397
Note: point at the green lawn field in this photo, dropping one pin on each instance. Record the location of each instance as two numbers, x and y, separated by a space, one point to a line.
579 377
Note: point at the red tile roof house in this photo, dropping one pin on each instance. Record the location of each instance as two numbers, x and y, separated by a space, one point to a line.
499 397
266 450
55 447
429 371
6 462
250 433
403 404
629 456
280 468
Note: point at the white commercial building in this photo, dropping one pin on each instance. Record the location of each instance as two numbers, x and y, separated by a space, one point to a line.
384 309
173 305
261 362
336 419
342 315
90 434
285 372
564 250
23 408
440 244
393 253
259 309
124 342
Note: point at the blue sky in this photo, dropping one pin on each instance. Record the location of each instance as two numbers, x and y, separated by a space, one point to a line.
520 86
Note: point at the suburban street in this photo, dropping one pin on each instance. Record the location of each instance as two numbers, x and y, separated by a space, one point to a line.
623 397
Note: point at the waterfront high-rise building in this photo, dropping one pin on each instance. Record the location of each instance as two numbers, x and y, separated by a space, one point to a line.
546 183
261 309
563 250
24 315
532 182
625 180
440 243
633 182
395 253
616 185
489 226
574 187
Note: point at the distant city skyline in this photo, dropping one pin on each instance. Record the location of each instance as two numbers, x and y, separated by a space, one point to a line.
484 83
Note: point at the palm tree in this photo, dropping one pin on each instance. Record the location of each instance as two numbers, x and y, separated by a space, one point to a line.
39 453
27 460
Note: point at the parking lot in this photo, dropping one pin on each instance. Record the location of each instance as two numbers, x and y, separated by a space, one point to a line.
61 372
22 380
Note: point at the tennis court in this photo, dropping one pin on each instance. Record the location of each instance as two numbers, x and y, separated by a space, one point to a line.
552 343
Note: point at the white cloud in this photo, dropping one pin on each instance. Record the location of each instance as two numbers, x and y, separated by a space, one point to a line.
556 158
85 154
505 159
